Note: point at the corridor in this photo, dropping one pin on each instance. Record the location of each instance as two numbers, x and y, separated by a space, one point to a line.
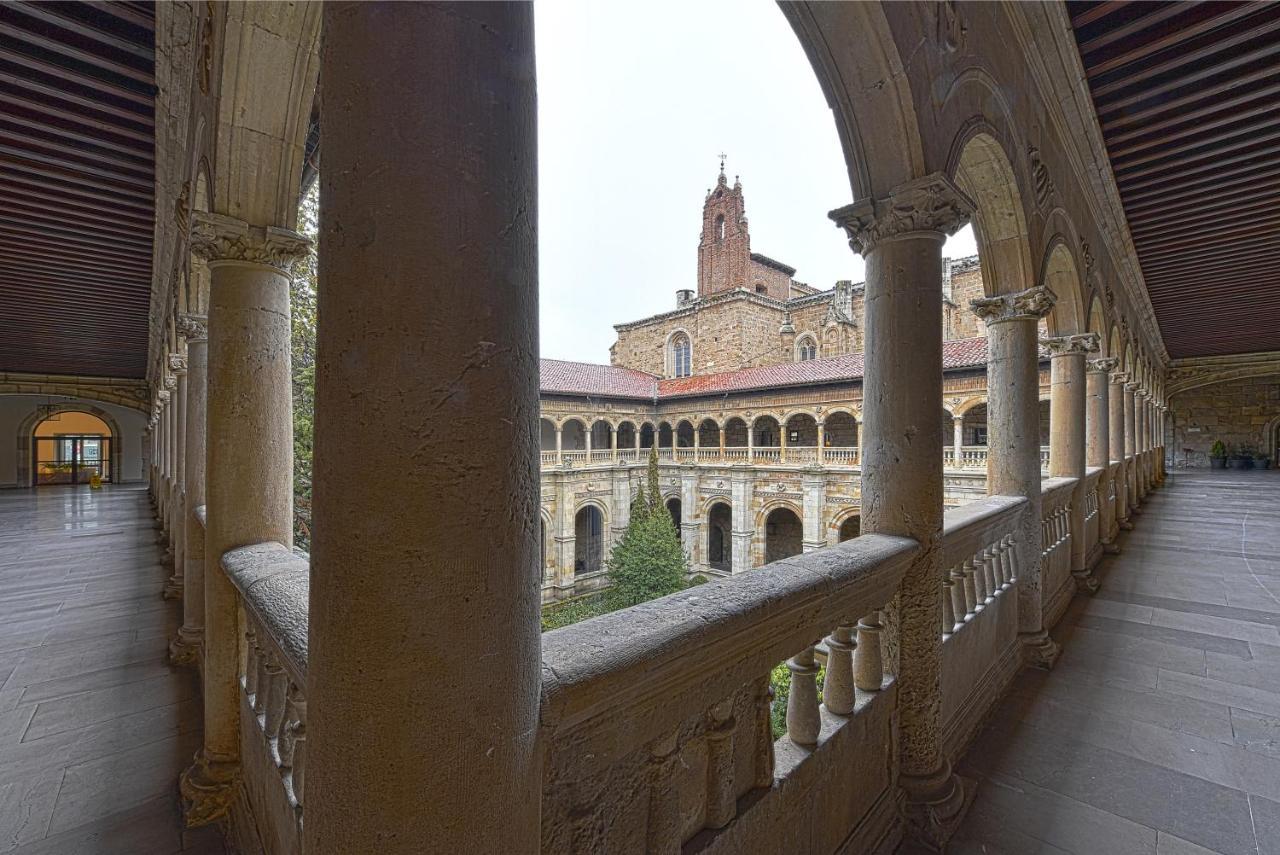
94 724
1159 729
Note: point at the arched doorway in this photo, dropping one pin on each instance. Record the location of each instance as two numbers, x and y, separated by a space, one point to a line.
850 528
588 546
783 535
71 447
675 509
720 537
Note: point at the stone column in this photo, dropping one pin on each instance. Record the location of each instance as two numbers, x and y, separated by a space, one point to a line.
782 442
722 442
249 466
813 488
690 525
1099 442
957 451
1115 438
559 444
901 239
173 589
1013 444
185 649
613 443
1067 436
1141 416
741 484
821 440
429 247
1131 445
162 472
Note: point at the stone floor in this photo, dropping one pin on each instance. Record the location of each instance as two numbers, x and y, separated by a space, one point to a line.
1159 730
94 724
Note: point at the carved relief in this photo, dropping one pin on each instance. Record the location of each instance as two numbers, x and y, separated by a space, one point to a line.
177 363
951 29
930 204
206 48
1031 304
1086 252
1043 182
1105 365
193 327
215 237
1066 345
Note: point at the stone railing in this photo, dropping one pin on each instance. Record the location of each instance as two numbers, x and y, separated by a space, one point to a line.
1055 539
273 584
971 456
1092 516
656 719
979 626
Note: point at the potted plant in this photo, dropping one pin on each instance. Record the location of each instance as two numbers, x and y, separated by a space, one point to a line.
1261 460
1218 455
1243 458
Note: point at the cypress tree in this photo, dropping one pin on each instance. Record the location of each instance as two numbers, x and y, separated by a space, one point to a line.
647 561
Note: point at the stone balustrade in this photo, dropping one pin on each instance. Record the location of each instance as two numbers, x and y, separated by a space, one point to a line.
971 456
1055 545
1092 516
979 561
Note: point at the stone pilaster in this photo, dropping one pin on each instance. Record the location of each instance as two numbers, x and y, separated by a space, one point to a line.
742 486
249 471
901 238
1067 436
177 535
1099 443
690 522
186 648
1117 442
429 249
1013 444
813 488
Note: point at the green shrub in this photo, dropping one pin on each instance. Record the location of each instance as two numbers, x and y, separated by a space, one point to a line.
569 612
1219 449
648 561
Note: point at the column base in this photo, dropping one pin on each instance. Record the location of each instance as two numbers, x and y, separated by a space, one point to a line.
173 588
184 650
1135 509
934 806
1110 547
208 788
1126 525
1039 650
1086 582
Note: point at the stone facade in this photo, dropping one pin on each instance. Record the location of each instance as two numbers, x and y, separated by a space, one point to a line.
1244 414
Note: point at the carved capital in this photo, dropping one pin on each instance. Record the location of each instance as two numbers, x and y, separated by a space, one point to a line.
170 382
1105 365
1132 388
177 364
215 237
929 204
1029 305
162 397
1120 377
193 327
1070 345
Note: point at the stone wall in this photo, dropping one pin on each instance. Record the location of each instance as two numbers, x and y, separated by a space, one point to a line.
17 409
1238 412
958 320
735 331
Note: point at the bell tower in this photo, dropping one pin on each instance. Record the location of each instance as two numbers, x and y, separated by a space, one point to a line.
724 250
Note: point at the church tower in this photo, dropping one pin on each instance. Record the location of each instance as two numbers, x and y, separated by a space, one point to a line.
724 251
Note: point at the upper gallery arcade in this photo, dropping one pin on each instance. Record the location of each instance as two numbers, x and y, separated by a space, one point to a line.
1063 642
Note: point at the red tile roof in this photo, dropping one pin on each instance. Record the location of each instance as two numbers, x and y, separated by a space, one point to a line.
607 381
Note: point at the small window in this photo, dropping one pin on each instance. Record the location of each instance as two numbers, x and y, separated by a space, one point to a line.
720 228
681 356
806 349
760 289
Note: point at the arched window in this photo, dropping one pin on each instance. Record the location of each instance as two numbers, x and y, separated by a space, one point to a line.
806 349
681 355
720 228
760 289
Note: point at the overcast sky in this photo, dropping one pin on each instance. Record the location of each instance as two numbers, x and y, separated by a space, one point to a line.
635 102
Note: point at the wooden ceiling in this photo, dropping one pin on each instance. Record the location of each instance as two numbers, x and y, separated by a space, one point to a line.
77 153
1188 96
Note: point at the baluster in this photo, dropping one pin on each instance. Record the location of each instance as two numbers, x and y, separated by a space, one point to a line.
979 583
286 744
990 555
837 691
803 720
722 804
763 755
251 662
948 610
273 714
1013 568
868 665
663 835
263 683
970 596
1005 556
298 735
957 597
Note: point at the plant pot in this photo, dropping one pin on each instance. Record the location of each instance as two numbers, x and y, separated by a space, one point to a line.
1217 463
1242 463
1262 463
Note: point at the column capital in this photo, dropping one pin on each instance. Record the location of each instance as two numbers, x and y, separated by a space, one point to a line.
193 327
931 204
1072 345
1132 388
1029 305
1141 393
170 383
215 237
1120 378
1105 365
178 365
162 396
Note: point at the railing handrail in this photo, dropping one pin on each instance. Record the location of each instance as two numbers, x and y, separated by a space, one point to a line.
969 528
1055 492
649 665
274 583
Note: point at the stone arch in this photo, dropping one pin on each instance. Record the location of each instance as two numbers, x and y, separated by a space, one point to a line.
25 435
1061 275
709 433
266 80
627 433
854 56
675 508
719 515
842 518
1098 324
736 431
648 434
983 170
807 347
601 434
573 434
1116 344
766 426
666 435
590 522
805 426
548 554
967 405
684 434
782 526
840 429
669 345
546 434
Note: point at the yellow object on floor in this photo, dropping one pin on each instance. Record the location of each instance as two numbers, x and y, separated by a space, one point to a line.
95 482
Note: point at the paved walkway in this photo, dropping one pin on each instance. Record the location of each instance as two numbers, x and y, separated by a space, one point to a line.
1159 730
94 724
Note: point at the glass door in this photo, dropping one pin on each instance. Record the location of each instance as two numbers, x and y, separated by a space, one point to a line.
72 459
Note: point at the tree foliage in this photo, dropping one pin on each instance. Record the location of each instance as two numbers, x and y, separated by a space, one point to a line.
302 303
647 561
